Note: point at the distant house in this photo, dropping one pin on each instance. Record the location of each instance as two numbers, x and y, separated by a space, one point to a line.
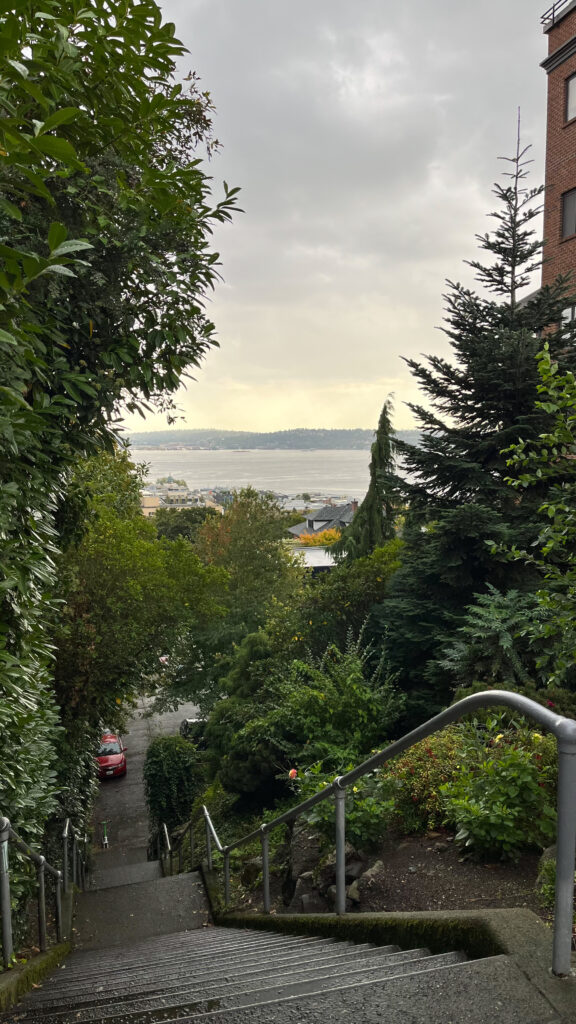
330 517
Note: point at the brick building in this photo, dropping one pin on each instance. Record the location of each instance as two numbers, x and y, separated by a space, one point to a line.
559 24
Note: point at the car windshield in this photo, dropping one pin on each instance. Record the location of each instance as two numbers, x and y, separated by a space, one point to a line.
108 747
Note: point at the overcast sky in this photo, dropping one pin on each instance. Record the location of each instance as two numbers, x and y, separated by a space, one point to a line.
364 135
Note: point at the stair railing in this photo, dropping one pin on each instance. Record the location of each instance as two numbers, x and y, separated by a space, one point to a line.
564 729
78 858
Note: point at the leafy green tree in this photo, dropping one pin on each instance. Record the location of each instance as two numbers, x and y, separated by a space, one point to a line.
105 260
172 523
336 603
258 571
127 595
373 523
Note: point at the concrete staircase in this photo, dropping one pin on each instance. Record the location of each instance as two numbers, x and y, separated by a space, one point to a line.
248 977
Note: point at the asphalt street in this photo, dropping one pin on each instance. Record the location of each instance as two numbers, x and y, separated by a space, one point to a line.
121 802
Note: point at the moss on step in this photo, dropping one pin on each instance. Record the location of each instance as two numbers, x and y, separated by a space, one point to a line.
20 979
440 932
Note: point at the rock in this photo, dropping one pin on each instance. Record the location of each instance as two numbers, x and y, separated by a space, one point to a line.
412 870
548 854
331 897
353 893
367 881
325 872
251 869
304 887
304 852
354 869
441 847
312 903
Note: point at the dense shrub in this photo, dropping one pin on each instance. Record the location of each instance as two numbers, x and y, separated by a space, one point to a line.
499 806
503 798
419 774
319 710
173 776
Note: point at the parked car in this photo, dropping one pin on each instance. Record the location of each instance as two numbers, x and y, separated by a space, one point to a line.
111 756
193 729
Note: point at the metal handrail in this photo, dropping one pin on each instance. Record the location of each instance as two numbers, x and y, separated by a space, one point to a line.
7 836
549 16
564 729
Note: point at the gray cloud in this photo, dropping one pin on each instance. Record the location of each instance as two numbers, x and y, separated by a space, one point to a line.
365 138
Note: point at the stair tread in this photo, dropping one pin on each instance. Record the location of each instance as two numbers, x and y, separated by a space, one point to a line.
472 992
166 995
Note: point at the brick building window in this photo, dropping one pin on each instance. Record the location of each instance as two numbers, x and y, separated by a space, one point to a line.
569 213
570 97
569 315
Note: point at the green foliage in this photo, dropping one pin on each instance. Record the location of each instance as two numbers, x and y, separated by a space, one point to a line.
373 523
495 643
369 805
560 699
335 604
328 710
548 462
502 803
173 777
172 523
105 222
127 595
247 548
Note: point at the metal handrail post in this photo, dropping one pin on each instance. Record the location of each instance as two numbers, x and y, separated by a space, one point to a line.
565 854
40 871
208 847
340 827
65 857
181 856
191 845
265 840
74 859
226 877
59 906
5 907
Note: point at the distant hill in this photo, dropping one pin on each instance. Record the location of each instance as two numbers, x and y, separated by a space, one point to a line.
232 440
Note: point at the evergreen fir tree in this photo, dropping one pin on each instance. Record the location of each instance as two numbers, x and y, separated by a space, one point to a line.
373 523
484 401
479 404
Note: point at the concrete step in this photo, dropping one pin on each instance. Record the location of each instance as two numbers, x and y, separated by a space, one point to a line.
155 993
166 971
127 874
237 991
285 986
128 913
490 991
182 950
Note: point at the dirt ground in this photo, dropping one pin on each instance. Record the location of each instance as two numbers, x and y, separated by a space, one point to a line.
430 873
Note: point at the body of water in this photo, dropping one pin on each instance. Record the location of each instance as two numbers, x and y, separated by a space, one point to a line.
337 473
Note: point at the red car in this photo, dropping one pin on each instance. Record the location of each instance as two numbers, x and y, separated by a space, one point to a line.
111 757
